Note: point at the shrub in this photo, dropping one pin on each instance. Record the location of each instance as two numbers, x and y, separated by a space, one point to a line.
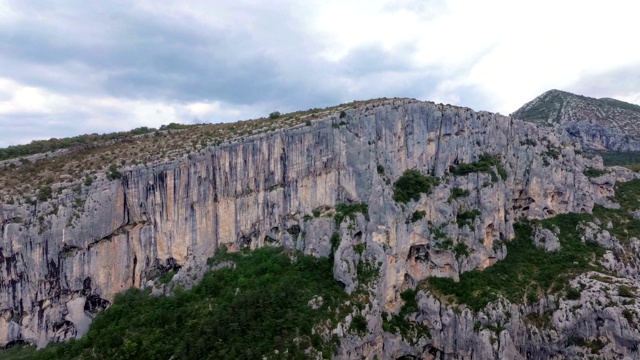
113 173
44 193
349 211
410 304
274 115
359 325
418 215
467 217
380 169
484 164
411 185
457 193
573 293
626 291
461 249
592 172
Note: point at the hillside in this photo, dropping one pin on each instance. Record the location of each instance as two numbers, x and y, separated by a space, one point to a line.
599 124
441 232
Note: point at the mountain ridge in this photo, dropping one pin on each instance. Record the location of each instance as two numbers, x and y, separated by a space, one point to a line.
598 124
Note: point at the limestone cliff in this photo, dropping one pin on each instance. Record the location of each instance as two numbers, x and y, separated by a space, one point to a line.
64 259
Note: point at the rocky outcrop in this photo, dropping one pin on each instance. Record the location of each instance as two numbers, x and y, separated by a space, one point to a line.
63 260
598 124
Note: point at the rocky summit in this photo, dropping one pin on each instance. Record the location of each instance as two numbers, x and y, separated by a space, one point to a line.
453 234
598 124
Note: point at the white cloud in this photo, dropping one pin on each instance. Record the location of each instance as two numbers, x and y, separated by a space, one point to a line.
114 66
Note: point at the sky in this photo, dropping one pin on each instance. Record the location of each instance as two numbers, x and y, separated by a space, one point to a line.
76 67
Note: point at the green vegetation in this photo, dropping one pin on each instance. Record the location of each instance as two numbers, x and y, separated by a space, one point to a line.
467 217
43 146
248 312
457 193
397 323
485 164
526 268
624 225
594 345
113 173
626 291
573 293
44 193
349 211
274 115
620 158
166 278
528 142
543 110
447 244
591 172
380 169
335 242
358 325
552 152
367 272
410 302
461 250
418 215
411 185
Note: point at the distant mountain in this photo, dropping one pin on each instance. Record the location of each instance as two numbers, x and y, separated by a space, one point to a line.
599 124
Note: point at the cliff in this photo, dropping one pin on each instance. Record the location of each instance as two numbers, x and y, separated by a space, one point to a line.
599 124
63 259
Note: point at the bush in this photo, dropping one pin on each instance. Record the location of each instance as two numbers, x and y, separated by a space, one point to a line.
484 164
592 172
44 193
359 325
457 193
418 215
349 211
461 250
113 173
626 291
274 115
467 217
573 294
411 185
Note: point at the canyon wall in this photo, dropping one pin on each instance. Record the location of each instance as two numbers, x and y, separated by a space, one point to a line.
63 260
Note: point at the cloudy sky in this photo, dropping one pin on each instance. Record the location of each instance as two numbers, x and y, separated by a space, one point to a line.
75 67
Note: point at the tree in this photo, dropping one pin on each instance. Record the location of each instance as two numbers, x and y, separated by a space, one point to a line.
274 115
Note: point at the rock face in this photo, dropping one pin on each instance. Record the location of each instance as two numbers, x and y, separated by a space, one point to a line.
599 124
63 260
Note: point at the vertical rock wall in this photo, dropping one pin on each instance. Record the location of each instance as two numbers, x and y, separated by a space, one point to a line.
63 260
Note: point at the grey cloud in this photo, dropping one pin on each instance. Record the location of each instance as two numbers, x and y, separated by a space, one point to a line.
620 81
254 56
